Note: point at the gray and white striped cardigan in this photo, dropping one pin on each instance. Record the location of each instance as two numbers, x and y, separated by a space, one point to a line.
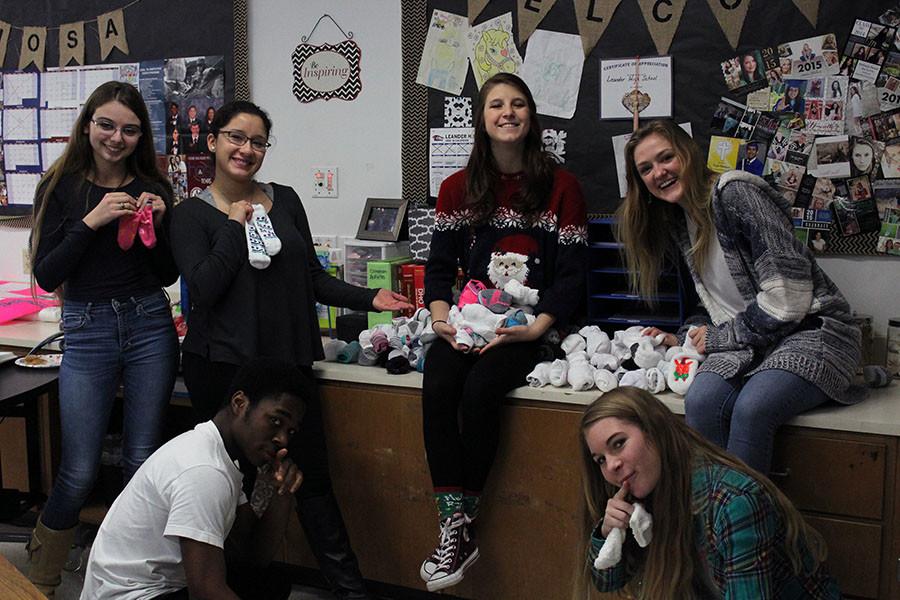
796 318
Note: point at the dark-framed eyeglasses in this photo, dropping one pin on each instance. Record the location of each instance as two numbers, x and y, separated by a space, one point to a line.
239 138
108 127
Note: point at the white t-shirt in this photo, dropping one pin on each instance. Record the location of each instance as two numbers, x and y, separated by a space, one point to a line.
716 277
188 488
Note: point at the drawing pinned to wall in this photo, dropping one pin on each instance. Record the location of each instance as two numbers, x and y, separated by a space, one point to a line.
552 70
445 55
492 49
457 112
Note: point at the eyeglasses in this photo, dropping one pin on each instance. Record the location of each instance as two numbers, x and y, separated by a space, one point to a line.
239 139
108 127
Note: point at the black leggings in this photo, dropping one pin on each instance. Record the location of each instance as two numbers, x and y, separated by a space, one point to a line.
461 399
208 382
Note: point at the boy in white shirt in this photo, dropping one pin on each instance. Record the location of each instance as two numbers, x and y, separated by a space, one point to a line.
165 534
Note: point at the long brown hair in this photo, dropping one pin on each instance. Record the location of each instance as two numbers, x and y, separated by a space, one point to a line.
669 566
482 172
78 157
644 223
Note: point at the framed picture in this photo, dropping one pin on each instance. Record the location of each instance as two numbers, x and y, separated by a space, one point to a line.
382 219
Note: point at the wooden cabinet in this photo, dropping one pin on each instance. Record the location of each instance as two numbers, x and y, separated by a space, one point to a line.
844 485
530 533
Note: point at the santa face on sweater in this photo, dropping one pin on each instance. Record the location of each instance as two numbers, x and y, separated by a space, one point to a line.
507 266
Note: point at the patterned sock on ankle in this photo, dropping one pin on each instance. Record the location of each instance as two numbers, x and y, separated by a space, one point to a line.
471 503
449 501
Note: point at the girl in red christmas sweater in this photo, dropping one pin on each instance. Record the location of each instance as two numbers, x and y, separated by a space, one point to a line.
511 198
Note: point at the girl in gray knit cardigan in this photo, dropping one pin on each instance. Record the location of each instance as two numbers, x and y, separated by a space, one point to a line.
779 339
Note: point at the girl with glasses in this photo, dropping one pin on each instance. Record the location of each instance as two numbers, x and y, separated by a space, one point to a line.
240 310
116 317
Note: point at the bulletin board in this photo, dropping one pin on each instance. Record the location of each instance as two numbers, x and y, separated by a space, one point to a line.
155 29
698 47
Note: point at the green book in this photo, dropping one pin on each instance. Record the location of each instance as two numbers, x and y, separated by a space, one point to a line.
384 274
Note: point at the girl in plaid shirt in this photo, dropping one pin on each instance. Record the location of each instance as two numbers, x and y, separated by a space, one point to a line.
720 529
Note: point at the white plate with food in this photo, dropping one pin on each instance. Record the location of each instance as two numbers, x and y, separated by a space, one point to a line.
41 361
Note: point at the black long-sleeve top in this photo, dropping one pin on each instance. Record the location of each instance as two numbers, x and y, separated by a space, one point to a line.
239 312
89 264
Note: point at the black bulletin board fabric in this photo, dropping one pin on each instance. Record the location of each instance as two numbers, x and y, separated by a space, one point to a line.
697 49
155 29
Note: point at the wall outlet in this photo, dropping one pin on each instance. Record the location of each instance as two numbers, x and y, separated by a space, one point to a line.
325 182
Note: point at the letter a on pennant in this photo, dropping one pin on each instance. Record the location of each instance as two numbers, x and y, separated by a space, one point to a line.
34 46
111 29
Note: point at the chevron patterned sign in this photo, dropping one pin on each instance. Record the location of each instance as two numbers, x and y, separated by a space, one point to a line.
326 71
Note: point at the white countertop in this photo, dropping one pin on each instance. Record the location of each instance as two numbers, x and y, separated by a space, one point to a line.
26 334
879 414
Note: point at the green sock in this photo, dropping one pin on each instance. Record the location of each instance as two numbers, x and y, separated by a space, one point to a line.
448 503
470 506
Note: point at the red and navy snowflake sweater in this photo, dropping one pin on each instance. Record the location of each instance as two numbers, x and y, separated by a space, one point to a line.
555 241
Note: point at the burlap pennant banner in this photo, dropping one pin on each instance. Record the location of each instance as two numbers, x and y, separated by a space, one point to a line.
593 16
71 43
4 39
111 29
810 10
730 14
34 46
530 14
475 8
662 17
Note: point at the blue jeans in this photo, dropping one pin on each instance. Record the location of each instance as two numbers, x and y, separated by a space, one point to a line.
132 342
742 416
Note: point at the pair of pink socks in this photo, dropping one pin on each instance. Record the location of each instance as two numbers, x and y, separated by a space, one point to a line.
139 224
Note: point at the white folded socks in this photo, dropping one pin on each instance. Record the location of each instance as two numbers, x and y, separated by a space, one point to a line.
540 376
580 374
262 243
641 524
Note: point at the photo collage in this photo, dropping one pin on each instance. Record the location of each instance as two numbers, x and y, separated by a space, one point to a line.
822 125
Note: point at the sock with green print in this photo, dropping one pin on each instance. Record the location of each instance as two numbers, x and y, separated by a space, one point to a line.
471 502
449 501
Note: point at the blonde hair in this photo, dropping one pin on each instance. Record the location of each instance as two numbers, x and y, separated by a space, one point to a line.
670 566
644 223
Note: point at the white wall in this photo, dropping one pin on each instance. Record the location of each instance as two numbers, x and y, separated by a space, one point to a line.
361 137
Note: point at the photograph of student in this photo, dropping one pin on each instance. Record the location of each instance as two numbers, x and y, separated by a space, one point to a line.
104 194
890 161
780 338
194 142
734 533
750 68
164 536
751 162
792 101
818 242
863 158
512 196
210 115
240 310
807 54
836 92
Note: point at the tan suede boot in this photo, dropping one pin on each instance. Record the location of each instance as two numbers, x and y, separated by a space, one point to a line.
47 553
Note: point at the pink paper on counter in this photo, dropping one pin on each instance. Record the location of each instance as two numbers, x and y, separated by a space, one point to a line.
14 308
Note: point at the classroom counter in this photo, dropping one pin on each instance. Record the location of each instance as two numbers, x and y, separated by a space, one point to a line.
839 464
